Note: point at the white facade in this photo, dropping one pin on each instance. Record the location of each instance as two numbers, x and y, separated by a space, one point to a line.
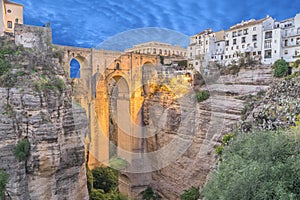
265 40
203 48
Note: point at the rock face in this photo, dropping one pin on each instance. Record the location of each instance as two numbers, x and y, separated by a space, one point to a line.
37 106
213 118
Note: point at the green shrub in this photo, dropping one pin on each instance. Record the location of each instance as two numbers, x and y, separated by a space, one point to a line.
227 138
190 194
257 165
21 150
105 178
3 182
219 150
281 68
202 95
60 84
149 194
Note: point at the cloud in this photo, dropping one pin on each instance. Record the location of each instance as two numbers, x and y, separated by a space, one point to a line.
88 23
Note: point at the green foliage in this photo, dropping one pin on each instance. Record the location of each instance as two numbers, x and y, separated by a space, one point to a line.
294 75
101 195
258 165
4 64
3 182
281 68
21 150
202 95
296 63
90 179
219 150
182 63
60 84
227 138
190 194
149 194
105 178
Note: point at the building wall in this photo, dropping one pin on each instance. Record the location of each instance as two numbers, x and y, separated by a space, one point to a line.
13 14
2 19
158 48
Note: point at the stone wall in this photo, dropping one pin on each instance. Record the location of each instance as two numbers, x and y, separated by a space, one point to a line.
34 37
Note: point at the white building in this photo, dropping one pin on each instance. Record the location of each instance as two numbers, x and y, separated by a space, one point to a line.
265 40
204 47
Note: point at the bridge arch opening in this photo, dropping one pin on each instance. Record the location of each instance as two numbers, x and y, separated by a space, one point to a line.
77 64
119 117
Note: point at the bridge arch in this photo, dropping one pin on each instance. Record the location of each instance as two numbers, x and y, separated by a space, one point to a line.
76 66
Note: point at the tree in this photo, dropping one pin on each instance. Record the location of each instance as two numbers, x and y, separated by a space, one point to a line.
149 194
105 178
21 150
258 165
281 68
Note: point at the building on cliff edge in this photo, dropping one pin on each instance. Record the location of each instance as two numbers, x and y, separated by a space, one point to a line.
265 40
10 13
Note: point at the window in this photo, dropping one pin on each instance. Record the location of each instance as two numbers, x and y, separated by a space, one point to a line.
226 57
226 49
268 54
234 41
268 35
268 44
234 34
229 56
298 41
9 24
237 47
243 46
218 44
240 33
8 11
245 31
255 45
286 52
227 43
286 43
243 39
196 63
254 38
254 53
206 42
254 28
231 48
221 57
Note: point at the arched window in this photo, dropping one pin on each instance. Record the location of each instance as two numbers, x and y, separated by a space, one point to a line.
74 68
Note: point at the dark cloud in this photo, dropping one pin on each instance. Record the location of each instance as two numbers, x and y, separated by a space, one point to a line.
89 23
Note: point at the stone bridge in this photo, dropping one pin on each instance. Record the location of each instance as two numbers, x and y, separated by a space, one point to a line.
110 88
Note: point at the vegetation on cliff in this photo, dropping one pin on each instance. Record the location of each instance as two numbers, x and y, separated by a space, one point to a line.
21 150
3 182
258 165
103 184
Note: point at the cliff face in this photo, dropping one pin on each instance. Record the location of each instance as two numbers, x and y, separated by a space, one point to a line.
36 105
213 118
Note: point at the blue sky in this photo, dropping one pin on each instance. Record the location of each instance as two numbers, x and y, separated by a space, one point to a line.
93 22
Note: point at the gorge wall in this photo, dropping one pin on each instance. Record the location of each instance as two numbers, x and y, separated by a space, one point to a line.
213 118
36 105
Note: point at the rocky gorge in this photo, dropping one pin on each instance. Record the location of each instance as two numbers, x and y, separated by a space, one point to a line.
36 106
